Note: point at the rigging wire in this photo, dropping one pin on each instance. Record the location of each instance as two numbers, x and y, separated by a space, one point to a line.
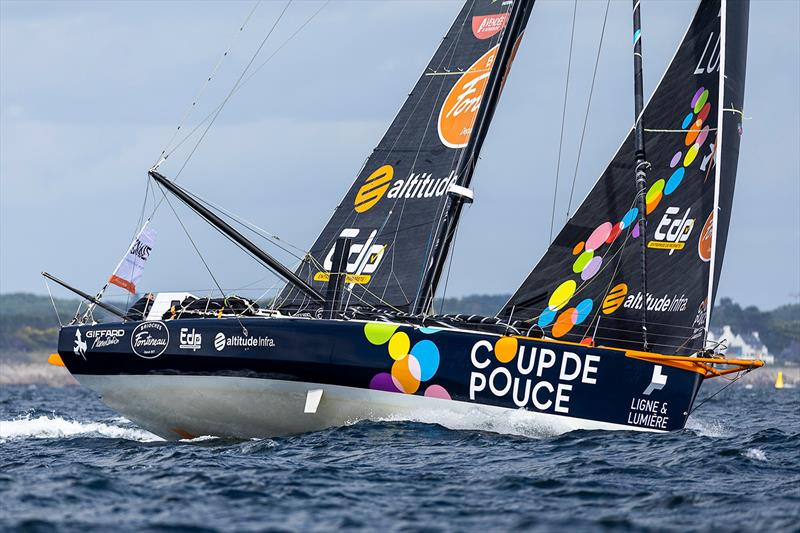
212 117
563 117
199 254
739 375
136 229
271 237
163 156
455 162
249 77
238 85
233 89
449 266
447 58
52 301
588 107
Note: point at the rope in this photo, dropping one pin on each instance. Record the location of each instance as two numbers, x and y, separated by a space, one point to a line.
588 106
734 380
563 118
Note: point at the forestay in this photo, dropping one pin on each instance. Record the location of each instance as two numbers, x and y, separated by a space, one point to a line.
587 287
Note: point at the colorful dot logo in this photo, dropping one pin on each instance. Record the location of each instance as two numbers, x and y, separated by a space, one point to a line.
505 349
413 365
696 135
588 256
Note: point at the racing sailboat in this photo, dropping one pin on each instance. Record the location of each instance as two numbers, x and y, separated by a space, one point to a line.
607 332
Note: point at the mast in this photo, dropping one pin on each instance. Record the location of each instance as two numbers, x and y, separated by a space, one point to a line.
641 162
712 269
237 237
459 193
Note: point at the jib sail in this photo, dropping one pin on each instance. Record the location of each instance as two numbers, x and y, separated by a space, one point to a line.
399 198
587 287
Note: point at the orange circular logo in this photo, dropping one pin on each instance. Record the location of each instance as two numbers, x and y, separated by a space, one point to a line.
460 108
374 188
615 298
706 238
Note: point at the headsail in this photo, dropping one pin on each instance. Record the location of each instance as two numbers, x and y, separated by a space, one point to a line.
394 206
587 284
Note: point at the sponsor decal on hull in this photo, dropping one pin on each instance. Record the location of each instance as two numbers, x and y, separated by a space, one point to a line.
649 413
190 340
103 338
221 341
528 386
80 344
414 366
150 339
657 382
518 373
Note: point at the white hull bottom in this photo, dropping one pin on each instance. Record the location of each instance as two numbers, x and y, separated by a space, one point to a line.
176 407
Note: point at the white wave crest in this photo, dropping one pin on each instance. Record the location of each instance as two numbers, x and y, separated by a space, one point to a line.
512 422
708 428
755 454
201 438
46 427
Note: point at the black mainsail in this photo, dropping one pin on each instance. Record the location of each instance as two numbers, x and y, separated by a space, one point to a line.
586 288
399 208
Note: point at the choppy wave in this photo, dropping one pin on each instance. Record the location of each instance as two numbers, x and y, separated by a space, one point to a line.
54 427
756 454
443 470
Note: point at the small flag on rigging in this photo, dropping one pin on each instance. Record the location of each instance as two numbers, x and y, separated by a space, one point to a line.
129 270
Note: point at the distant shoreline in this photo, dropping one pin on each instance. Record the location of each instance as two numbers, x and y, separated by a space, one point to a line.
26 373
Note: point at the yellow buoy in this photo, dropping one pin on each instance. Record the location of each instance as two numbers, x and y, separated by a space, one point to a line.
779 381
55 360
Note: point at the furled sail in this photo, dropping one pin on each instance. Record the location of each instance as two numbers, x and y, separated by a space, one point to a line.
587 287
395 204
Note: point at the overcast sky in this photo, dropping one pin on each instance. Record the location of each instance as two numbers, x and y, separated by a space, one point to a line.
90 92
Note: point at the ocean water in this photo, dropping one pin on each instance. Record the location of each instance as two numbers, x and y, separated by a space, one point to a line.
69 463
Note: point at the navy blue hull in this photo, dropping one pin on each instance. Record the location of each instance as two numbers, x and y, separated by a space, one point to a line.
568 380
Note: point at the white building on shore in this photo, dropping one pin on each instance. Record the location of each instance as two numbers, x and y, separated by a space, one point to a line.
741 345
